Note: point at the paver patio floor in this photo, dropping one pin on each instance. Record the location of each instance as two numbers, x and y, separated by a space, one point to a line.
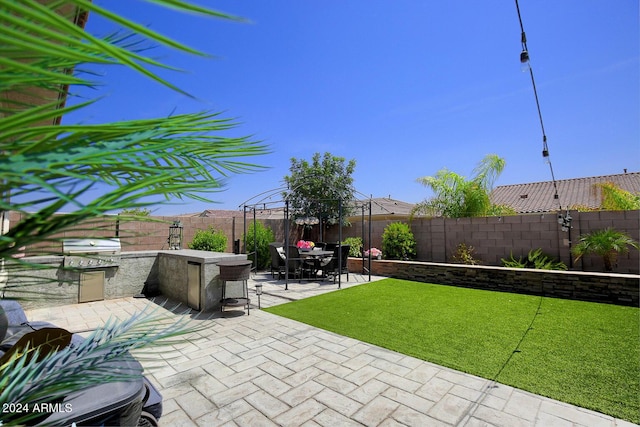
265 370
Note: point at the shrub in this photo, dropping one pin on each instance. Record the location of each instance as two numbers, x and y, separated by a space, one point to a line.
398 242
464 255
535 259
263 236
209 240
606 243
355 243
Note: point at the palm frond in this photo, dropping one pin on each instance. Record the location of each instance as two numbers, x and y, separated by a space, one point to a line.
49 167
89 363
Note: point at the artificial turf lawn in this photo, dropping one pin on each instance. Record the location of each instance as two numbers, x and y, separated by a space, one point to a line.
582 353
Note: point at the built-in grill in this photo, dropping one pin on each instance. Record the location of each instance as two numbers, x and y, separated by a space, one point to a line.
91 253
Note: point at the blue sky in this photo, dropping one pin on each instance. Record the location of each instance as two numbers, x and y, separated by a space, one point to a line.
404 87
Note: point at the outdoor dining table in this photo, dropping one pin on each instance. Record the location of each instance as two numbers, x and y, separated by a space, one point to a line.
315 256
314 253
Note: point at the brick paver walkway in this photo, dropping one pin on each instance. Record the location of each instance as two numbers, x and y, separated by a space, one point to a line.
264 370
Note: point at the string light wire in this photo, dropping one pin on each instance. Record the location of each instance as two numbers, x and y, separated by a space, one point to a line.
524 58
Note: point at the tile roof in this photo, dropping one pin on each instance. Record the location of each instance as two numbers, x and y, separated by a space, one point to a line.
388 206
539 196
379 206
213 213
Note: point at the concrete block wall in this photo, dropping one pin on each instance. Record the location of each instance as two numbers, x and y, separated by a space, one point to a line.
493 238
612 288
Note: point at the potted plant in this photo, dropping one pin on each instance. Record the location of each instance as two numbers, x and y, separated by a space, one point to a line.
375 253
305 245
607 243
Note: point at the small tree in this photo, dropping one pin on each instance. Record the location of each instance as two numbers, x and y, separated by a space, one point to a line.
209 240
398 242
316 187
607 243
259 237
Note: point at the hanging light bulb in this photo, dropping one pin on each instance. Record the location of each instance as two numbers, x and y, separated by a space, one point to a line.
524 61
545 156
545 150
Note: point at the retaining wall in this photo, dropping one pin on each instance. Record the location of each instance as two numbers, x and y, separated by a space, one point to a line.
613 288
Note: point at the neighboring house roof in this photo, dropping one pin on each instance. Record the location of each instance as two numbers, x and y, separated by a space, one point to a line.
539 196
379 206
267 213
388 206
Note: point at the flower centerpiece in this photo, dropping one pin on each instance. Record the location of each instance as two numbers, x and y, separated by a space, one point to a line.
305 244
375 253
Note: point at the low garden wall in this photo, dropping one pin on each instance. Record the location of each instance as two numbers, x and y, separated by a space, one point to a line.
613 288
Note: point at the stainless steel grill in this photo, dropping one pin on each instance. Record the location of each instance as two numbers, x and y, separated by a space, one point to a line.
91 253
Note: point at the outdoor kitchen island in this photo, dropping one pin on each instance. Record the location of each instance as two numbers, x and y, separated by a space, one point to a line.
193 277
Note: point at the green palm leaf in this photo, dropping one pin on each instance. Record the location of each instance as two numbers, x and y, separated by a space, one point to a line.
456 196
46 167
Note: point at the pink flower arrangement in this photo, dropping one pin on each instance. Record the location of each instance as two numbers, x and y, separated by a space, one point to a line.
375 253
305 244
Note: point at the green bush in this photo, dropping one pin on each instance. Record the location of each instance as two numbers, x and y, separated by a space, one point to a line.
209 240
398 242
535 259
262 237
355 243
464 255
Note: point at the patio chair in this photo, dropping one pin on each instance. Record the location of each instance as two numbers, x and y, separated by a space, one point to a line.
296 264
312 262
333 268
277 259
320 245
330 246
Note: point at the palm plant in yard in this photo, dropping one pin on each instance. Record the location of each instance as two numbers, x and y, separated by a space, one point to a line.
457 197
615 198
47 165
607 243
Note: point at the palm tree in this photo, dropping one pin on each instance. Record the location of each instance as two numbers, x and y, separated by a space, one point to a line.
49 166
46 166
456 197
52 166
607 243
615 198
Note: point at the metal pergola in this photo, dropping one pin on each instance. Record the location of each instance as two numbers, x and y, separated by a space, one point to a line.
252 208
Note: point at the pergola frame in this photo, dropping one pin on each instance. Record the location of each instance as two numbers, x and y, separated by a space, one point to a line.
287 230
